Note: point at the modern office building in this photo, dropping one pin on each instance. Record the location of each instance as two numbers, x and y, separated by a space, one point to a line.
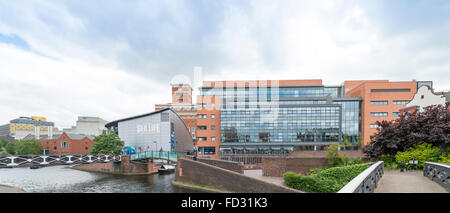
35 124
381 100
283 115
88 126
161 130
273 116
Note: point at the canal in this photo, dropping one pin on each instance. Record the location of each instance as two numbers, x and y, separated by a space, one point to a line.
62 179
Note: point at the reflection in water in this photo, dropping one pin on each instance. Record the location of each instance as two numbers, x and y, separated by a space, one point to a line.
63 179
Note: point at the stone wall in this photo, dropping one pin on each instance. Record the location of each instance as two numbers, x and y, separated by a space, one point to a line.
277 166
203 174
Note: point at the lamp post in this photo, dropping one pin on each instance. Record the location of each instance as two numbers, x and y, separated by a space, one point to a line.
154 142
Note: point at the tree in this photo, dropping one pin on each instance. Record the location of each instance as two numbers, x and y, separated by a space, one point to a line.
11 148
431 126
3 142
346 143
107 144
333 155
28 147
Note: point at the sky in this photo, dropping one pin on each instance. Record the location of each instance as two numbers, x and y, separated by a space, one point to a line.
108 58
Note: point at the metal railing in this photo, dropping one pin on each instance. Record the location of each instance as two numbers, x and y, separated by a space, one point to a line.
171 156
44 160
438 172
367 181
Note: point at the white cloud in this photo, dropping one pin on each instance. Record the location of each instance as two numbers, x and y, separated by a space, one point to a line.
95 54
63 89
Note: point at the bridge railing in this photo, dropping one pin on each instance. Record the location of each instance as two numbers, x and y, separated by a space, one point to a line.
172 156
43 160
367 181
438 172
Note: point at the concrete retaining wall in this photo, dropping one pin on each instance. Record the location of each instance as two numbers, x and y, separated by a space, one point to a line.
277 166
203 174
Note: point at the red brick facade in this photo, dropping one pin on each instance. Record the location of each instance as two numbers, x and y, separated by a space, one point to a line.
64 145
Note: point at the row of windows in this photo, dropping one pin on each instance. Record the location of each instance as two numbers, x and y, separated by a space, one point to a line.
401 102
207 150
206 138
213 127
269 92
203 116
384 114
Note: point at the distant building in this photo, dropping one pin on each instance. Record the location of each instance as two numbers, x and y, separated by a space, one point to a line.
21 134
425 96
37 125
66 143
160 130
88 126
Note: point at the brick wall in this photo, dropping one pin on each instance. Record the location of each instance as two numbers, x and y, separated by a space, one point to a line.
208 175
228 165
277 166
125 167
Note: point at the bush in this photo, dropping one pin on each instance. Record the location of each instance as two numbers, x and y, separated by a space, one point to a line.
389 162
346 161
325 181
422 153
445 158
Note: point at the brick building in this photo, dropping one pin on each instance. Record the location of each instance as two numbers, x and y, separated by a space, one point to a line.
67 143
259 117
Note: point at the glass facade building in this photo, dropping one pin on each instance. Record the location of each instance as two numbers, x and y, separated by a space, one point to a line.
284 117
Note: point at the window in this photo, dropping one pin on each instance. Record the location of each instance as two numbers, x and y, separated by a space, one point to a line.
379 103
207 150
400 102
187 122
396 114
213 138
390 90
201 138
373 126
201 116
86 148
193 122
213 116
64 144
201 127
378 114
213 127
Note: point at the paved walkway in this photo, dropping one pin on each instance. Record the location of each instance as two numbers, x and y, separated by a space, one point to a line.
407 182
257 173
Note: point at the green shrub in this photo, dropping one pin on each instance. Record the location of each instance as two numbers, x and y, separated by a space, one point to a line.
422 153
329 180
314 171
445 158
389 162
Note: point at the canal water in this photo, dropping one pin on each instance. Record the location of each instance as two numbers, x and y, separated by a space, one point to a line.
62 179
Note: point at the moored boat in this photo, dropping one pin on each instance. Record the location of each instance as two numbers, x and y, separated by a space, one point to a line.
166 169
